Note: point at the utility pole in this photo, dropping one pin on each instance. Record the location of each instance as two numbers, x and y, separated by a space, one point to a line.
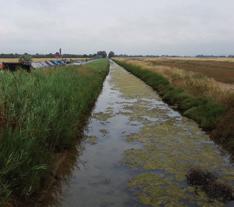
60 53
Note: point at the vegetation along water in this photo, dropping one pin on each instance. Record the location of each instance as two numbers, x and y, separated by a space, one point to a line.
137 151
209 103
42 113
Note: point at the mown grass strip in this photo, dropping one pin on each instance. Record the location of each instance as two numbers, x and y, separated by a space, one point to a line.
206 112
41 114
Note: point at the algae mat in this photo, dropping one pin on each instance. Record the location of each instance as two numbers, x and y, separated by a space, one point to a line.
137 151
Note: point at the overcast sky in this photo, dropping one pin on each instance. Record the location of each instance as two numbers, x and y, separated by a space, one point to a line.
180 27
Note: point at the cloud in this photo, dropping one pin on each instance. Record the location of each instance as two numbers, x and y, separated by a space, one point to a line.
128 26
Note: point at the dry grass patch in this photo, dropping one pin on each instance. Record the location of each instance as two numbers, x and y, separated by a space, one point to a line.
222 71
194 83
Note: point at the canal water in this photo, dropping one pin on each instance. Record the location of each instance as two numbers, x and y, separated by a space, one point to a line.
137 151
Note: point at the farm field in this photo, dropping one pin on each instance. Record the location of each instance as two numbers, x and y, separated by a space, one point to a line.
42 116
221 69
223 59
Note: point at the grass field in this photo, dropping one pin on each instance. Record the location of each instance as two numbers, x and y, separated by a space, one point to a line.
196 83
197 96
41 115
34 59
221 69
224 59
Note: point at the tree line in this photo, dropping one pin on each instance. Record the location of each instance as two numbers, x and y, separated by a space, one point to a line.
102 54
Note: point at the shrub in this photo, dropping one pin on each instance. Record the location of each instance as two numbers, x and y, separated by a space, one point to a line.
224 132
207 114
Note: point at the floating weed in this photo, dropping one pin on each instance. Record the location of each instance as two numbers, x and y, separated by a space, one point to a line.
132 89
109 110
174 148
169 146
91 140
143 111
155 190
103 131
103 116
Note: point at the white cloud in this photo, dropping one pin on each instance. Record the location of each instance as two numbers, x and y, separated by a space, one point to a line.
183 27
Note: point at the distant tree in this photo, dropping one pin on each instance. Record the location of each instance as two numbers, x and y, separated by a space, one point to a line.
25 59
111 54
102 54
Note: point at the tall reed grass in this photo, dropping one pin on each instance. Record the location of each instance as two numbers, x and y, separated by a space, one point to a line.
41 114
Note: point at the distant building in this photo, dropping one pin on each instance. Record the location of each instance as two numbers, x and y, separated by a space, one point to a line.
58 54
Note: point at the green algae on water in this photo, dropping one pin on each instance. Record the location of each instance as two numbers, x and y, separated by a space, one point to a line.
173 149
170 147
91 140
155 190
132 89
103 116
103 131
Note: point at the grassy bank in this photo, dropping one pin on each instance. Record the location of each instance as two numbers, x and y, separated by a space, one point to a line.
41 115
209 114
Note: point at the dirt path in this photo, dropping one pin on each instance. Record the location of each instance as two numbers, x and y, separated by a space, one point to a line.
137 151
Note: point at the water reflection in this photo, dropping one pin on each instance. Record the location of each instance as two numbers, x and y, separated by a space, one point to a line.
135 140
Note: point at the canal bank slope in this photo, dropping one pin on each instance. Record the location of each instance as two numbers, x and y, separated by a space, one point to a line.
137 152
213 114
42 116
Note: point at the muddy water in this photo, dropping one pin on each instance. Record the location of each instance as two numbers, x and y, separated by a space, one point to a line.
136 152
